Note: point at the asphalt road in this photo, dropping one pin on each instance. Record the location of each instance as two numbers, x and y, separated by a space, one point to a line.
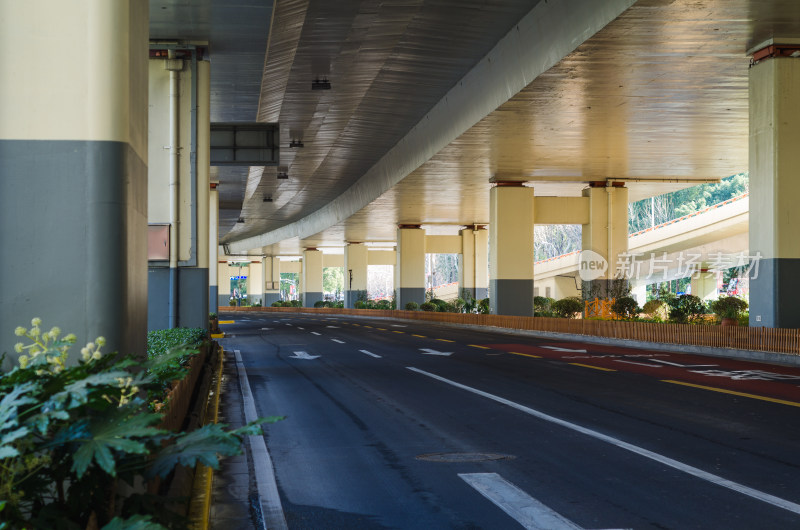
412 425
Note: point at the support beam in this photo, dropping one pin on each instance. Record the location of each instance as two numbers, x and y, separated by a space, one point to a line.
410 270
606 235
774 188
73 163
511 249
355 272
311 282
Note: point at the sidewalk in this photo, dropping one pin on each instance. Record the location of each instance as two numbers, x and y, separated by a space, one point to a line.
232 483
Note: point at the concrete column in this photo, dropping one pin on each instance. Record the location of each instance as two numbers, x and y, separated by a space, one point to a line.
639 292
704 284
272 280
312 277
410 270
255 282
73 163
355 272
214 300
511 249
474 274
606 235
774 189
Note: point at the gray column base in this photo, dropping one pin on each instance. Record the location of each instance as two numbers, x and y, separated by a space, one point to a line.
74 215
351 297
270 298
774 293
192 297
311 298
223 300
410 294
213 298
511 297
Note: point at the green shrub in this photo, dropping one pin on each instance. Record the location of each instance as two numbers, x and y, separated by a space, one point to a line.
569 307
687 308
483 306
360 304
542 304
729 307
319 303
744 319
232 302
295 303
161 342
77 437
212 315
339 305
383 304
277 303
428 306
412 306
656 309
626 307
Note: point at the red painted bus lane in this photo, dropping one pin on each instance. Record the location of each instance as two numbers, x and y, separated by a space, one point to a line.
738 376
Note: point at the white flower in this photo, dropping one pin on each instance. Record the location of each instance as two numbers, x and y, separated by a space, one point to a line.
20 331
36 322
18 347
101 341
96 355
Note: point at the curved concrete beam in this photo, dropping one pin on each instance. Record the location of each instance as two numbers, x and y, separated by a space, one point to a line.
541 39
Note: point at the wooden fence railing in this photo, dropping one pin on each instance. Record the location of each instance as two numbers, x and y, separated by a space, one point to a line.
744 338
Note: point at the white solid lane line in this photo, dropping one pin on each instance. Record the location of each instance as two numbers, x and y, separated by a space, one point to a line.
523 508
370 354
680 466
266 485
337 340
315 333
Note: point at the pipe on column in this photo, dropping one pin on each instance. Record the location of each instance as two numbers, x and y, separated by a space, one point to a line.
174 103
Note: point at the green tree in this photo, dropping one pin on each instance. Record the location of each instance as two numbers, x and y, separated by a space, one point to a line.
333 280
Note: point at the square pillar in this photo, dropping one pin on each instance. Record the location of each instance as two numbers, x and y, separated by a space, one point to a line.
774 189
355 272
604 239
272 280
410 269
312 277
474 273
511 249
73 163
214 300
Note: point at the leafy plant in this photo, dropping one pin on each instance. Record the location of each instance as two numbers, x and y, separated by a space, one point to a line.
728 307
657 309
568 307
428 306
412 306
687 308
75 437
483 306
542 305
626 307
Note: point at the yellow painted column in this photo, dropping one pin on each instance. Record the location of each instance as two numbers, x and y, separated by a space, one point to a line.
474 274
73 164
775 187
312 277
272 280
604 239
511 249
355 272
410 270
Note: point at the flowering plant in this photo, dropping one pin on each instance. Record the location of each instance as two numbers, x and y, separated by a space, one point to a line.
71 434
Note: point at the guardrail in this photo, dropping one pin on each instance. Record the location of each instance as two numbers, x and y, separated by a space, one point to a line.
744 338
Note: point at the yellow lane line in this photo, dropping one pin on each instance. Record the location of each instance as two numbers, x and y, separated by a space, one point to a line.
420 336
367 326
525 355
445 340
217 335
356 324
395 331
733 392
381 329
477 346
225 322
595 367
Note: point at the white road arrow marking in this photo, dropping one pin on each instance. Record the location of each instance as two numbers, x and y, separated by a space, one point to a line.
370 354
428 351
679 365
556 348
303 355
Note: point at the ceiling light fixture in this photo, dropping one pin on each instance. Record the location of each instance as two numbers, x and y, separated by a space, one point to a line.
322 84
296 143
240 220
267 198
283 175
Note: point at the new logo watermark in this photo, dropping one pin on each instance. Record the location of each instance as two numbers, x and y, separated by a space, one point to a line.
591 265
